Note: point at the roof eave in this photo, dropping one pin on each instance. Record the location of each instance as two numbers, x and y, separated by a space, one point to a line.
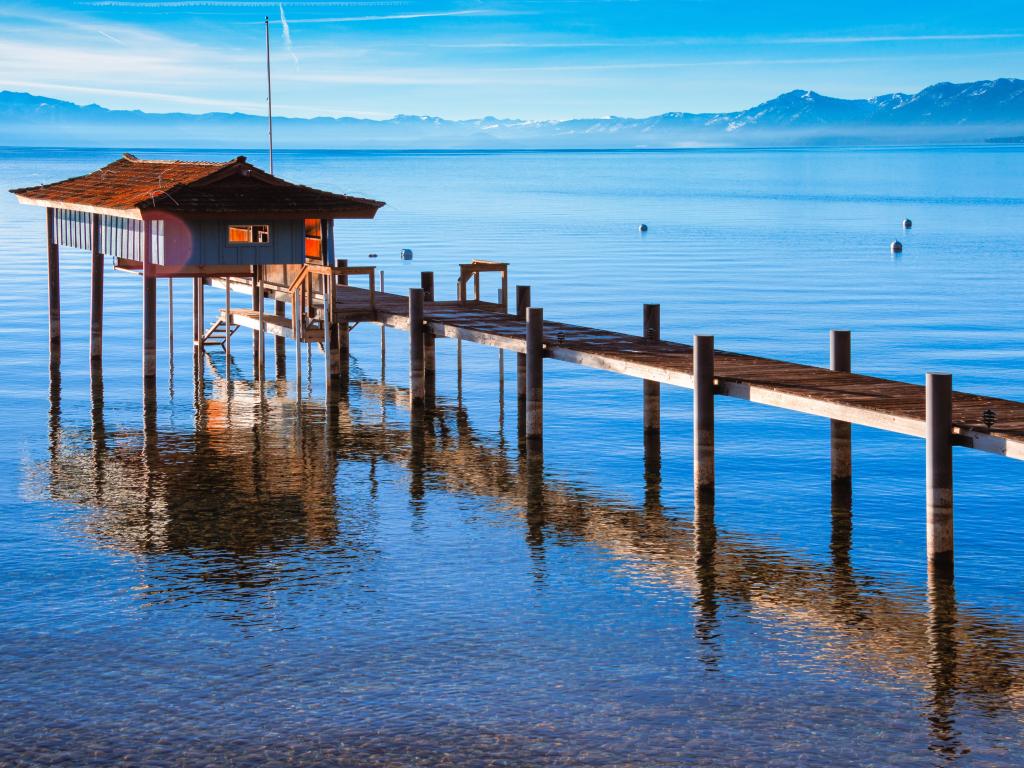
124 213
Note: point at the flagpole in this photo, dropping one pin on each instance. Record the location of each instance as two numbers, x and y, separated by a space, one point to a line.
270 103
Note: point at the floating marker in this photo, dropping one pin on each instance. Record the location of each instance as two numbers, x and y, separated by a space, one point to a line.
896 246
373 256
907 223
406 254
643 227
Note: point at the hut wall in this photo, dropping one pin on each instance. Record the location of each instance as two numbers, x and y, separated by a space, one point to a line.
72 228
122 237
210 244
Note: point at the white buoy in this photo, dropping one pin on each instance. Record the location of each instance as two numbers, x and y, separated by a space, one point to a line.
907 223
406 254
896 246
643 227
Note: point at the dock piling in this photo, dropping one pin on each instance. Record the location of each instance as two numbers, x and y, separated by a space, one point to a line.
53 284
148 306
280 358
197 312
534 374
522 302
703 418
416 382
429 343
652 389
841 446
96 303
939 467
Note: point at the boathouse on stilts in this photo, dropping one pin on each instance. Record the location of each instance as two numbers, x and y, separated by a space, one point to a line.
224 224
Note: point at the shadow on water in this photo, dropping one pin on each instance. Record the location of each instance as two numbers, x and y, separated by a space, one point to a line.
256 476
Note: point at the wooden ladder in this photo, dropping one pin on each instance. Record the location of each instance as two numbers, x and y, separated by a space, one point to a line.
218 332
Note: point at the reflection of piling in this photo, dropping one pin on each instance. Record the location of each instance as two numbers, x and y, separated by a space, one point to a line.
943 661
704 417
705 539
939 471
534 374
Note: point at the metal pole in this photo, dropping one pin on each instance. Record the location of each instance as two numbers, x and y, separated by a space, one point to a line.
939 471
270 102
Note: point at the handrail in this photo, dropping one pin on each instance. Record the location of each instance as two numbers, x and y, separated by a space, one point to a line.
473 269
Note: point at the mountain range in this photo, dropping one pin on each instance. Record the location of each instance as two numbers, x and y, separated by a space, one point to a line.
988 110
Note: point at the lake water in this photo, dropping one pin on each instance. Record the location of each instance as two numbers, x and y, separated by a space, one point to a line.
230 576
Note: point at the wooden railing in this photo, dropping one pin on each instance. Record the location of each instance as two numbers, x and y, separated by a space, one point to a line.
473 270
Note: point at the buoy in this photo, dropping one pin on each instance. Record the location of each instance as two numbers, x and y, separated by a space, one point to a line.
896 246
373 255
643 227
406 254
907 223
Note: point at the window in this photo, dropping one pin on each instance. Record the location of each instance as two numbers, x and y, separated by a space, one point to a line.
314 236
243 234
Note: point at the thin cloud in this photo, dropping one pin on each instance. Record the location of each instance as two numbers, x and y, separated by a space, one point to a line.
893 38
240 3
412 15
286 33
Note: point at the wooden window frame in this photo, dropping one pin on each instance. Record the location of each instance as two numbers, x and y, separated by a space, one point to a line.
248 243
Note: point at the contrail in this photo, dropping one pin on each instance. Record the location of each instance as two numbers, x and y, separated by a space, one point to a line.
286 33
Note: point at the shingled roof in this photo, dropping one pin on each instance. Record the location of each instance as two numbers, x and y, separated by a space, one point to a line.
130 186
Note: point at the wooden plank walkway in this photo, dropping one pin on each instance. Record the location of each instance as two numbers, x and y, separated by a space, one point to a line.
866 400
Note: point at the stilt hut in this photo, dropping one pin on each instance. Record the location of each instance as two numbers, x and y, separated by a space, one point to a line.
206 221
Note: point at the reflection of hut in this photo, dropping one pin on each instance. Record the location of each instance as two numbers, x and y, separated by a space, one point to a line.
199 220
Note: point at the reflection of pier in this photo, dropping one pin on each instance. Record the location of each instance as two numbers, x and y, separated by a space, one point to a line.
273 463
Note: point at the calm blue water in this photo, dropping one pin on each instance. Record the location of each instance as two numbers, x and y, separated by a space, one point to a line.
241 578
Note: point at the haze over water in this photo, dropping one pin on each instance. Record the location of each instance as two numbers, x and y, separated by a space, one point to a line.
237 578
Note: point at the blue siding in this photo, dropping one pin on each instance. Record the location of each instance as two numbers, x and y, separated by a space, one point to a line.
210 244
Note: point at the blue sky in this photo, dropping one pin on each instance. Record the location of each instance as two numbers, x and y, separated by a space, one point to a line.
518 58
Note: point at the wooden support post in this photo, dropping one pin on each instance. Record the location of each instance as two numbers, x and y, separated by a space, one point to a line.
280 357
842 458
383 338
170 314
256 301
332 366
652 389
416 382
534 374
939 472
429 351
342 352
197 311
227 325
53 283
96 308
297 309
261 347
522 302
703 418
148 305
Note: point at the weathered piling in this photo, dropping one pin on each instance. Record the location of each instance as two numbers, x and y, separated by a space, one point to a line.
703 418
522 302
148 306
197 312
53 284
652 389
297 327
416 382
280 357
340 334
429 351
261 337
227 325
841 446
534 374
939 466
96 298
